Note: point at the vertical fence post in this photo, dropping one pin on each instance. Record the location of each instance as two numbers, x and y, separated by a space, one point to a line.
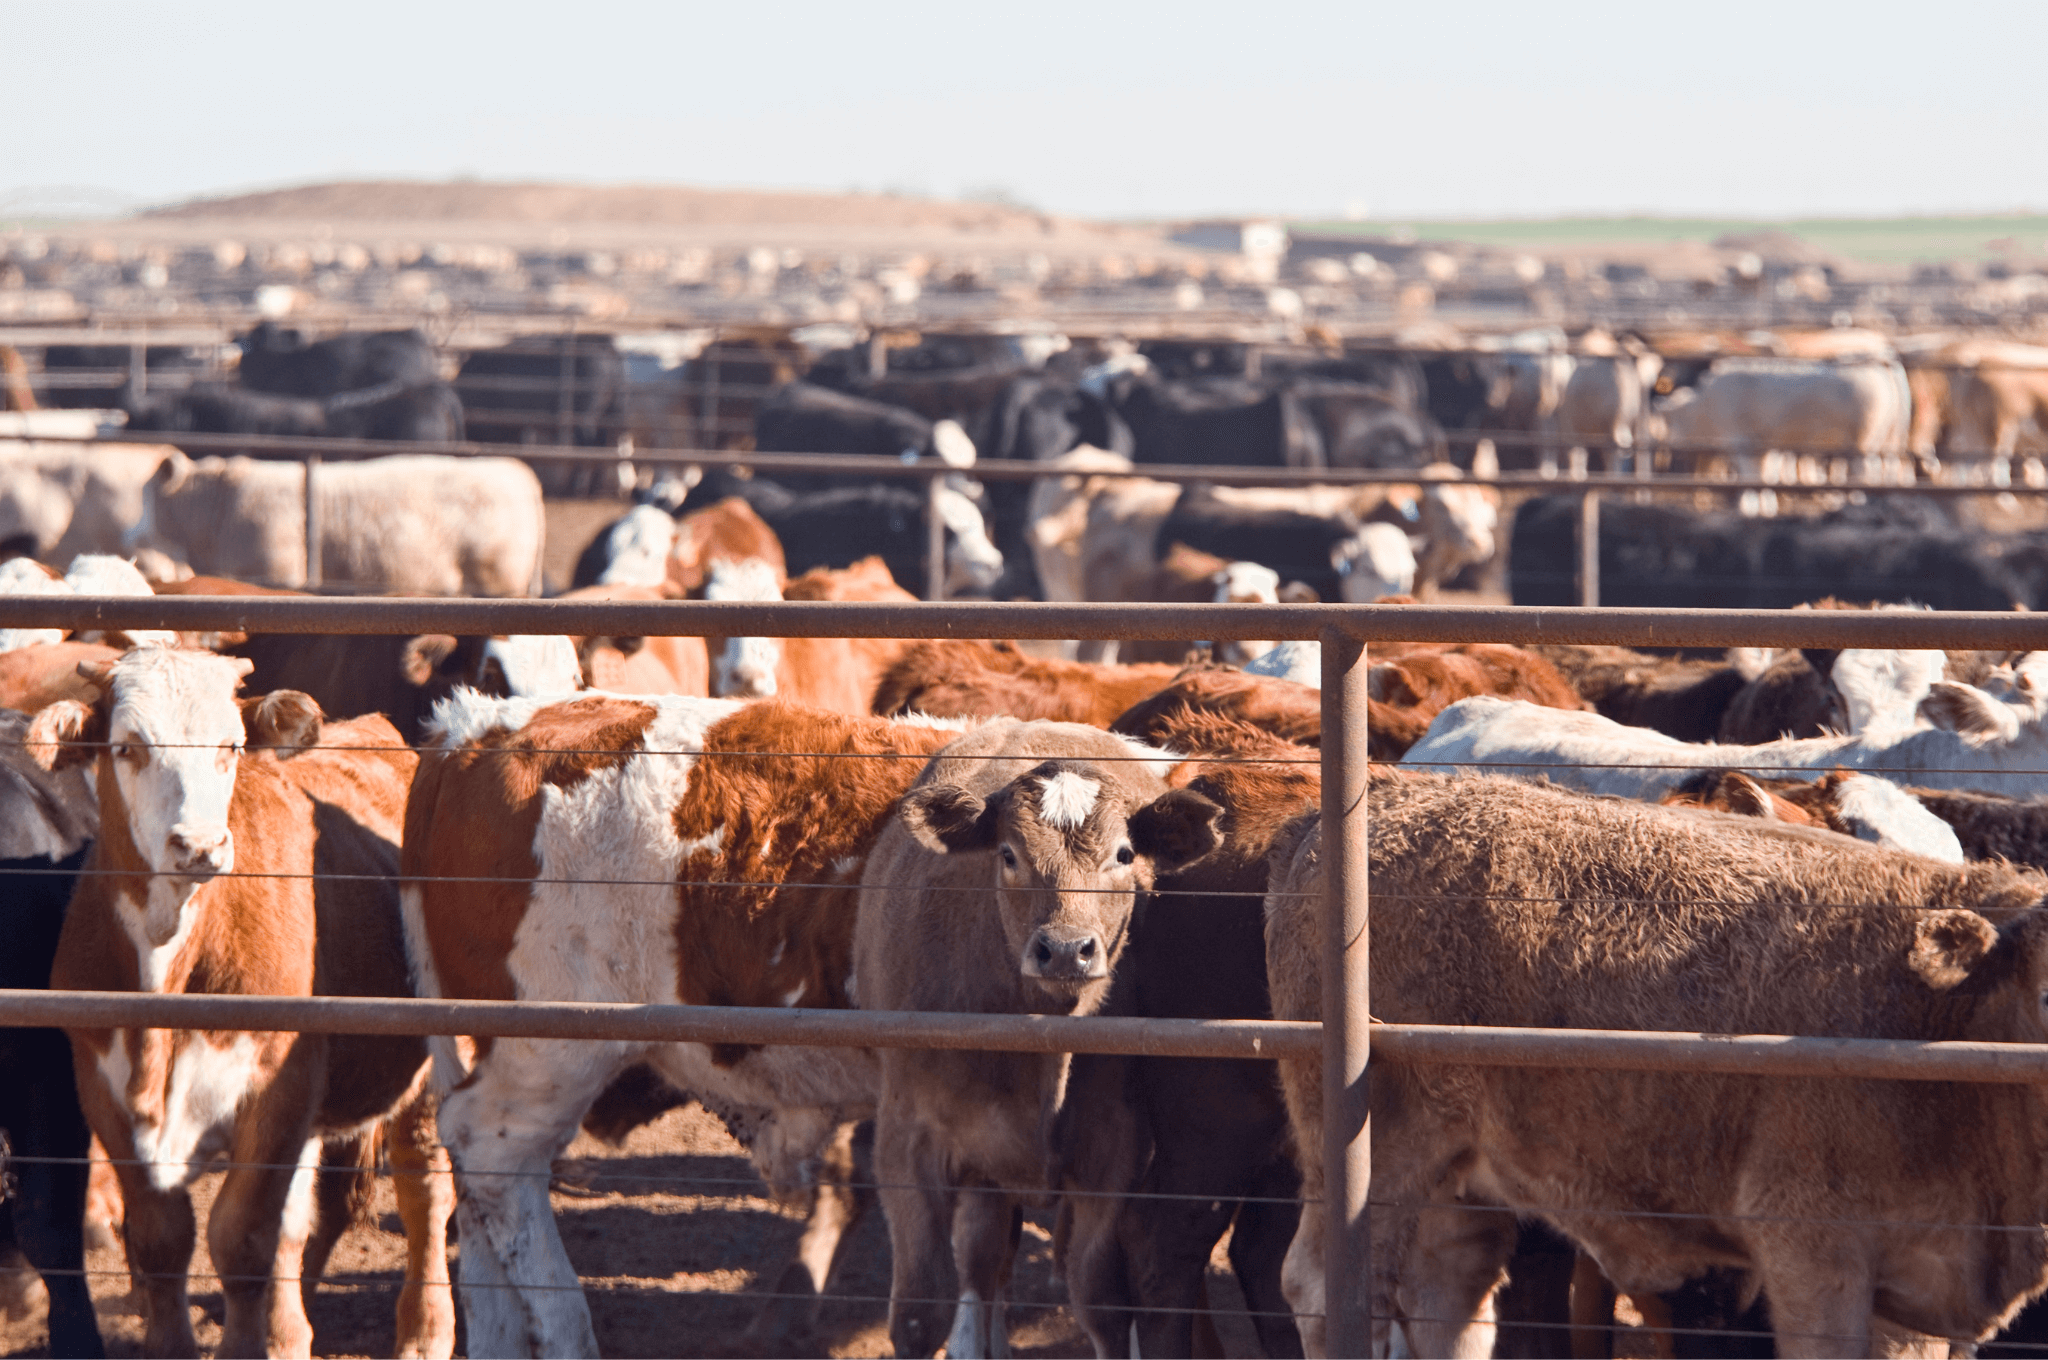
565 389
1347 1038
1589 549
934 537
313 575
138 368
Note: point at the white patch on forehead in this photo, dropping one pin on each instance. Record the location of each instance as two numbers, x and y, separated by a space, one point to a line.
638 546
536 663
1247 583
1066 799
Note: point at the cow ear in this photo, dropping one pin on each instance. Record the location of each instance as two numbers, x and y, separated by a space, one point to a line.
98 674
1176 829
1968 712
1951 945
1388 683
1746 797
947 818
66 733
284 719
423 656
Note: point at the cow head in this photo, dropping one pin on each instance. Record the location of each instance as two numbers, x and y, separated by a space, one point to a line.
973 563
745 667
1377 560
1071 847
518 665
168 734
2003 966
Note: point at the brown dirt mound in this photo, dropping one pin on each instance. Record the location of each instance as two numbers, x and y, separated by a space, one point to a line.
620 204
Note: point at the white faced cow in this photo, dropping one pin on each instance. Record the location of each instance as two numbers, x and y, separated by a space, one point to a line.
244 851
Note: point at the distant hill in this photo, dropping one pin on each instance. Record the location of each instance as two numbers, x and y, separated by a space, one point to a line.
389 201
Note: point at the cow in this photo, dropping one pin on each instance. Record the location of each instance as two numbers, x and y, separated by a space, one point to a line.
1284 709
1669 556
38 675
1976 402
838 527
1406 692
225 871
66 499
543 389
1226 421
1360 425
1207 1137
88 574
389 410
282 359
961 678
650 545
839 674
51 819
1801 1182
1603 403
647 849
1311 536
804 418
1003 885
1588 752
413 525
1189 577
1808 409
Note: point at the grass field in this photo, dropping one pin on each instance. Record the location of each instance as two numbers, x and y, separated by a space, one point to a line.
1880 240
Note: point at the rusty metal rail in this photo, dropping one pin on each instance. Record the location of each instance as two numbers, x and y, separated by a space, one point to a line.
980 619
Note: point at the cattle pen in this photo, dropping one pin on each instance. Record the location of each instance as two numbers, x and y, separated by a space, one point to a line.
1347 1041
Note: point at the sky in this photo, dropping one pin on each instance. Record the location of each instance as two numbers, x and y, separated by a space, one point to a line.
1318 108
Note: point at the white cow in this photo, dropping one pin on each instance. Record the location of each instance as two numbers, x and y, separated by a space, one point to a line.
74 498
1774 417
419 525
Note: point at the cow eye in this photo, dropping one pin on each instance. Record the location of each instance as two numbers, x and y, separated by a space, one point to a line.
1009 857
134 752
1124 854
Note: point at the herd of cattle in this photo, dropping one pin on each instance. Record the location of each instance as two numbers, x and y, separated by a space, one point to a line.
1842 843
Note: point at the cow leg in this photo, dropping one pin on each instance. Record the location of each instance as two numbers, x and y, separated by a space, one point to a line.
1301 1280
503 1131
1816 1311
837 1204
426 1198
160 1231
985 1222
1258 1251
47 1127
1170 1248
920 1212
342 1188
257 1232
1093 1264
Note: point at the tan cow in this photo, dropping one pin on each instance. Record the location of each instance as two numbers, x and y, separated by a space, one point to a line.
606 848
960 678
1496 903
1005 885
203 880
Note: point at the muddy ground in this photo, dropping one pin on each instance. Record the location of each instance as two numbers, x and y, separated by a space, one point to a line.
676 1241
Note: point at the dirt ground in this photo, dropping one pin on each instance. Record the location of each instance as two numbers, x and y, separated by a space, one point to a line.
676 1242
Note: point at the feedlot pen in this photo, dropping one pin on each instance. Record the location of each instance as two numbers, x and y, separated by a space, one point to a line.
639 1256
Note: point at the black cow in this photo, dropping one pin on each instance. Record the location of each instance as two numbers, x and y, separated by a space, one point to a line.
837 526
283 360
1182 359
549 390
1361 426
431 414
43 1220
1669 557
1207 1136
1220 421
1294 543
802 417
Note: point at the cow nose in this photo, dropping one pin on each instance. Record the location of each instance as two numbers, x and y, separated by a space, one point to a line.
200 850
1060 956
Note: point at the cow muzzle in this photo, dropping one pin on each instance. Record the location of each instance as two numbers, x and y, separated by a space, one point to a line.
1054 955
200 851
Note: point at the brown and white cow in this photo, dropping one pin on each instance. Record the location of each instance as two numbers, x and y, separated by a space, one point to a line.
1005 885
642 849
224 870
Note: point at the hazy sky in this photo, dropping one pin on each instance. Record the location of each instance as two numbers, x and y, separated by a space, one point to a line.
1102 108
